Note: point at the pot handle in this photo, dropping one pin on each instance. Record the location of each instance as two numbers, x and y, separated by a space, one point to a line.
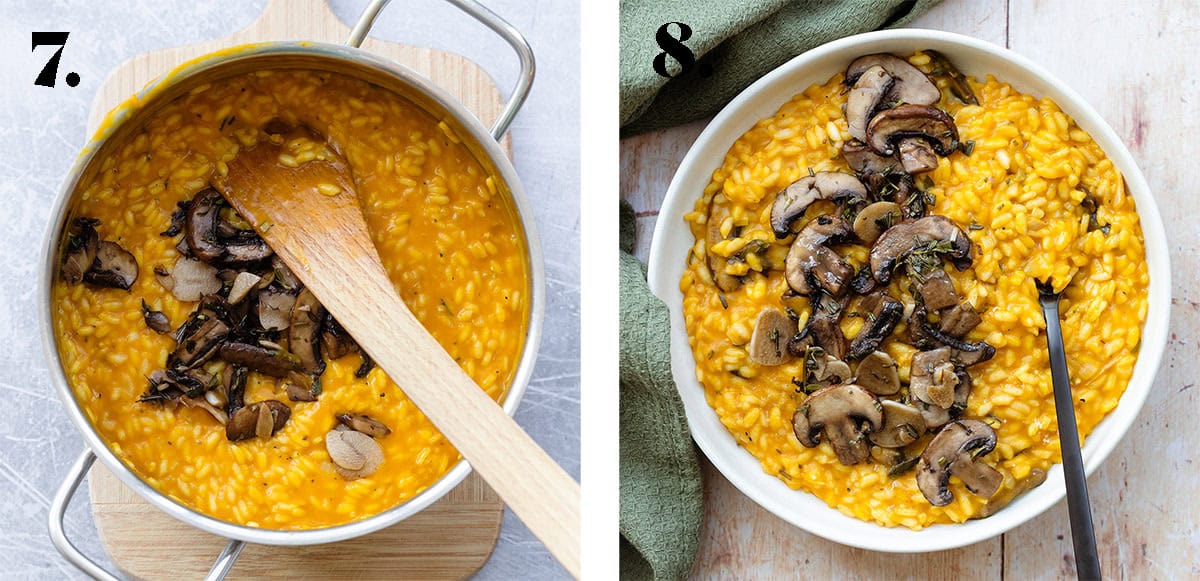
492 21
58 533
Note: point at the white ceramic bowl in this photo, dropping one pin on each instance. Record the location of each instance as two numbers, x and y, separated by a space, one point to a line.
672 240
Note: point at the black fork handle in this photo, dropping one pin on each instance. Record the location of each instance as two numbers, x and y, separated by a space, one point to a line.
1087 562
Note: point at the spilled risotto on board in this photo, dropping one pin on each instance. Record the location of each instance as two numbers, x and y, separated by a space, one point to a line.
861 303
170 332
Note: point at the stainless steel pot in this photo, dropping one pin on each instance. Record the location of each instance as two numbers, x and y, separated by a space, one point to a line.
349 60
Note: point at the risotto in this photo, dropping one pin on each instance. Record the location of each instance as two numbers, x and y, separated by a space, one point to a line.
447 233
1035 198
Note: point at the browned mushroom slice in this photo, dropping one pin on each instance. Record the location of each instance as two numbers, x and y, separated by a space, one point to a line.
200 225
80 250
886 313
902 425
1036 477
365 424
296 392
937 290
793 201
846 414
113 267
233 377
354 454
189 279
200 336
911 85
929 124
273 362
157 321
811 265
957 82
768 344
959 321
955 450
862 159
916 156
819 332
336 342
963 353
262 419
877 374
865 97
824 369
304 331
873 220
932 378
932 237
717 214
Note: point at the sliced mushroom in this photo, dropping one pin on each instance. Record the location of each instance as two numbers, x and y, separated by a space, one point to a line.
811 265
902 425
262 419
1036 477
189 279
862 159
931 234
874 219
932 378
768 344
354 454
911 85
930 335
275 308
717 213
304 331
877 374
937 290
202 403
819 332
846 414
296 392
916 156
199 337
865 98
243 283
957 81
156 320
80 251
955 451
929 124
365 424
826 369
960 320
200 226
113 267
863 281
233 378
886 313
273 362
793 201
336 342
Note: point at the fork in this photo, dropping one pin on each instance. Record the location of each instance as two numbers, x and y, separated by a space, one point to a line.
1087 563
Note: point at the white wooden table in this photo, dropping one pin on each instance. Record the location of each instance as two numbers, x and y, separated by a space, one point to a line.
1135 62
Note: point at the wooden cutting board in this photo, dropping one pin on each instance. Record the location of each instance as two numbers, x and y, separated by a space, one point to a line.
450 539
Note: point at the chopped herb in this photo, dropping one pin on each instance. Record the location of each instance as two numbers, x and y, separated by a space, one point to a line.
975 225
784 475
791 313
724 303
711 353
811 173
967 147
266 227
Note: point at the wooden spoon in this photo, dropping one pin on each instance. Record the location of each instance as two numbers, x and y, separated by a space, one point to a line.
310 216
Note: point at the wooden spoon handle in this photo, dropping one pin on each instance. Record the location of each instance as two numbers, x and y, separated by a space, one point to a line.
540 492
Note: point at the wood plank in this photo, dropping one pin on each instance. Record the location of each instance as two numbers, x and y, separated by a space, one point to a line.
449 540
1132 61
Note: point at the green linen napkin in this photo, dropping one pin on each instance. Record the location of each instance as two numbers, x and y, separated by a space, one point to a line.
741 39
661 494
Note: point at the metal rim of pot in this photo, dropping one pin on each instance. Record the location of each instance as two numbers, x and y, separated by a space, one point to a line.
487 142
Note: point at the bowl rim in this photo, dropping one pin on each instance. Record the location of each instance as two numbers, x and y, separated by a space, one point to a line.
147 97
672 240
